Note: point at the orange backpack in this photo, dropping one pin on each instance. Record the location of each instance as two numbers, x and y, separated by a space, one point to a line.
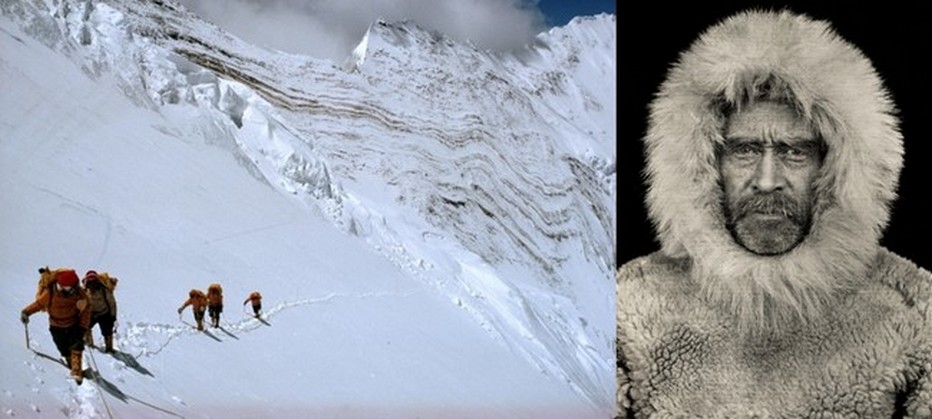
109 281
215 294
47 277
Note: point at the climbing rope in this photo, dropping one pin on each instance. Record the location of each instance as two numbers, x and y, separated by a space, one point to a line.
99 390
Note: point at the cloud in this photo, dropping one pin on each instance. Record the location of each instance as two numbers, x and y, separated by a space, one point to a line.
330 29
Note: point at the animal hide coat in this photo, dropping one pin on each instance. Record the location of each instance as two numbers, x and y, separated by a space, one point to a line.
850 323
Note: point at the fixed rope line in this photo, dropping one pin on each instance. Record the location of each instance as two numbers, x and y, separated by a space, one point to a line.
99 390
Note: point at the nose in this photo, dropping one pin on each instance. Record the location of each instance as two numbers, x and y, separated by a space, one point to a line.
768 176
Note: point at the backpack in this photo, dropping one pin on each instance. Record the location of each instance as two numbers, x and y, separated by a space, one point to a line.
196 295
110 282
215 294
47 277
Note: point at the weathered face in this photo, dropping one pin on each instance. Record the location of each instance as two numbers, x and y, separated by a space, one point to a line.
768 164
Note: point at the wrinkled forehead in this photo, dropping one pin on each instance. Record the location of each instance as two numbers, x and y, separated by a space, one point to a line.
768 121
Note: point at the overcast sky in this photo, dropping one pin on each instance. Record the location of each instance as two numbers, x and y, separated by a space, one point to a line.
331 28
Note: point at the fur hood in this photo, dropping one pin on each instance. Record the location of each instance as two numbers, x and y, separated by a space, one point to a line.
832 85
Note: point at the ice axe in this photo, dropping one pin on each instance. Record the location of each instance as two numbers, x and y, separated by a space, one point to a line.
26 328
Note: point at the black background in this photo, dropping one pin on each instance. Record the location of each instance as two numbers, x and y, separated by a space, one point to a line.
652 34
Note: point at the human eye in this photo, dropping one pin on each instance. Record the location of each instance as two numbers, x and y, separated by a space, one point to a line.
743 150
799 153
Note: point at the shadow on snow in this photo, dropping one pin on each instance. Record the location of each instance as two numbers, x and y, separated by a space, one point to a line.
106 385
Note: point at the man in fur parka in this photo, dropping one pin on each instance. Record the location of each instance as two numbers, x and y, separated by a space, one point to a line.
773 158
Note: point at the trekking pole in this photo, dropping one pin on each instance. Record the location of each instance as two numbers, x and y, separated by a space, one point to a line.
26 327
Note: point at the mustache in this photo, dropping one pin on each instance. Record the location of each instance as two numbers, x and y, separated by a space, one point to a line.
769 204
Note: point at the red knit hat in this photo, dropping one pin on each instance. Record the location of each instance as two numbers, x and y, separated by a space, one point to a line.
90 275
67 278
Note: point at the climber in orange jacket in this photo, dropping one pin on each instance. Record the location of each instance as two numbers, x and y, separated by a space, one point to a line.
256 299
198 302
214 303
69 317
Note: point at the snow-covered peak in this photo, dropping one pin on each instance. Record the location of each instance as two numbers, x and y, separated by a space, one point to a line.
358 57
600 26
404 41
572 70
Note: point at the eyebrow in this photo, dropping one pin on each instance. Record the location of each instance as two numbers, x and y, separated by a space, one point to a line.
811 143
786 141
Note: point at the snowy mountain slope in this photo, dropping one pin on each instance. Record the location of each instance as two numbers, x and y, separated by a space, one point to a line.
337 112
452 172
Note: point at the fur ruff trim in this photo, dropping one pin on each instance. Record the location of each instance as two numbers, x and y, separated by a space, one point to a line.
831 84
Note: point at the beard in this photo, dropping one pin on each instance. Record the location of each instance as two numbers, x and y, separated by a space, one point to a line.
767 224
774 293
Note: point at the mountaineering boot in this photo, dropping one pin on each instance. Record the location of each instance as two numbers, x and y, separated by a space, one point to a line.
200 325
76 370
108 340
89 338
